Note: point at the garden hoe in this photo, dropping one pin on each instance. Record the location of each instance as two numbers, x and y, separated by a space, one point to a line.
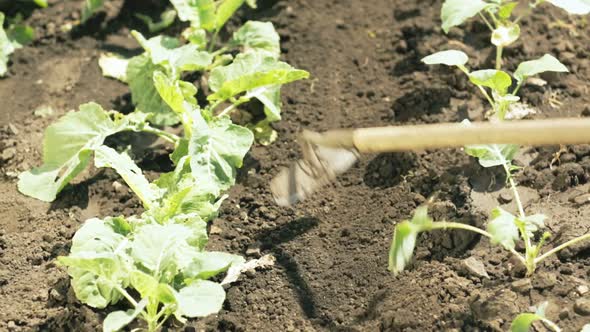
329 154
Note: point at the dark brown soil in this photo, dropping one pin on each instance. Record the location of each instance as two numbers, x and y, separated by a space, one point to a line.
331 272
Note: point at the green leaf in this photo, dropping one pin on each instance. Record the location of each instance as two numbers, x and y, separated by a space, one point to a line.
200 299
174 92
158 248
97 262
225 11
6 47
41 3
114 66
505 35
492 154
534 223
117 320
144 283
196 36
497 80
248 72
140 73
449 58
20 35
128 170
503 228
217 149
524 322
67 148
90 7
270 97
506 10
455 12
257 36
166 20
204 265
533 67
404 239
576 7
200 13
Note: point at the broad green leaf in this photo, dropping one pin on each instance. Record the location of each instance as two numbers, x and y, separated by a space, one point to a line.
505 35
97 262
506 10
225 10
144 283
491 155
157 248
449 58
533 67
200 13
502 226
6 47
117 320
404 239
216 150
258 37
577 7
114 66
204 265
90 7
67 147
201 298
497 80
140 73
175 92
166 20
105 156
455 12
166 51
248 72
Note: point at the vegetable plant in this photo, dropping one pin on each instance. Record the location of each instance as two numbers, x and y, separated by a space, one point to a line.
524 322
14 36
156 261
500 90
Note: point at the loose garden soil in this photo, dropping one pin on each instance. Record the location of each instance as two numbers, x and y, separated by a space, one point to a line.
331 251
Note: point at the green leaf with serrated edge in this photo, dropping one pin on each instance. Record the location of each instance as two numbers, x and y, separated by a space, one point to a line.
90 8
105 156
200 13
114 66
497 80
67 148
576 7
165 50
533 67
248 72
204 265
97 262
144 95
502 227
199 299
449 58
505 35
216 149
117 320
166 20
258 37
404 239
225 10
506 9
158 247
6 47
455 12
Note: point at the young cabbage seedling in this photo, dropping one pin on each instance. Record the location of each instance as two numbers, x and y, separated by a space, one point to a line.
524 322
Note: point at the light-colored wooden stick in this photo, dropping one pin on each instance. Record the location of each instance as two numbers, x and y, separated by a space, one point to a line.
430 136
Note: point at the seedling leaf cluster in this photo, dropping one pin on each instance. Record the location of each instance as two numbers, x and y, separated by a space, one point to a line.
160 254
500 89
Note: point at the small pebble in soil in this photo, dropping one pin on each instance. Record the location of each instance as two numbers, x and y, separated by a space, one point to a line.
582 306
586 111
543 280
582 289
564 314
522 285
475 267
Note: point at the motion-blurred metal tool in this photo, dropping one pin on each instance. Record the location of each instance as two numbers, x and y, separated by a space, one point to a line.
329 154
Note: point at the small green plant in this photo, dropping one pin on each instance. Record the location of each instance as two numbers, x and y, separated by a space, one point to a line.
15 36
524 322
500 91
157 261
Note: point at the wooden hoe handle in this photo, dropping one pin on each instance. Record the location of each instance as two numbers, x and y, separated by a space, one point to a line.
430 136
